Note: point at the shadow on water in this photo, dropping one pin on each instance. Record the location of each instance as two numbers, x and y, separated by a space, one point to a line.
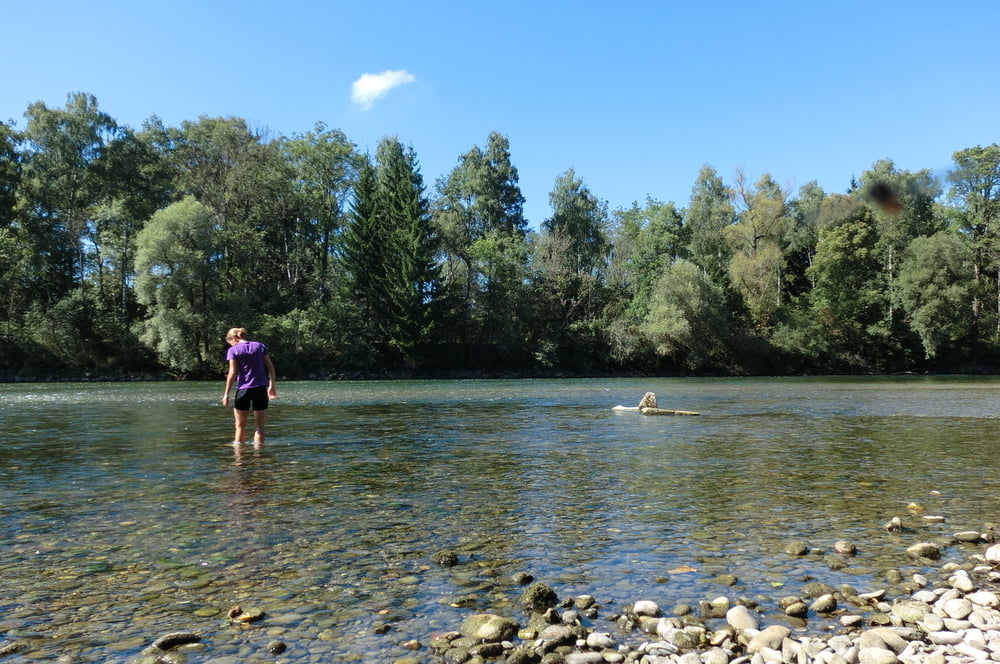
127 514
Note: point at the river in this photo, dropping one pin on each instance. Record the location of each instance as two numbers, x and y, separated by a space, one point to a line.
125 514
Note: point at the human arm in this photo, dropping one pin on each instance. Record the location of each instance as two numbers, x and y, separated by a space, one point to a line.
230 378
269 365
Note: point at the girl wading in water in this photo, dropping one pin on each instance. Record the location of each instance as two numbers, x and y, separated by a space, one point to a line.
250 367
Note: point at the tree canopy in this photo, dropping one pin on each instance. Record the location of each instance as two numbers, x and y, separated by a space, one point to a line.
128 250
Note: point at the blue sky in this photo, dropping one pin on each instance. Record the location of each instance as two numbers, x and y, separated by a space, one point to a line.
635 96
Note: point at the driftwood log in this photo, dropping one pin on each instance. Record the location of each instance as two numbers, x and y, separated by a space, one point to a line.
647 406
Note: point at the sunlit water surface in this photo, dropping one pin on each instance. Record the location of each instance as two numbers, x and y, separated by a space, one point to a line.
125 514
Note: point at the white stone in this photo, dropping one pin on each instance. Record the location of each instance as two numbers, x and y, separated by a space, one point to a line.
976 654
932 623
959 609
877 656
993 554
984 598
739 617
975 638
962 582
771 655
645 607
953 625
600 640
770 637
715 656
944 638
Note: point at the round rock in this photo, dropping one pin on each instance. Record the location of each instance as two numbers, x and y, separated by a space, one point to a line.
769 637
924 550
739 617
876 656
489 628
645 607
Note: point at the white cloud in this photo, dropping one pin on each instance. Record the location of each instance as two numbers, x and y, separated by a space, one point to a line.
371 87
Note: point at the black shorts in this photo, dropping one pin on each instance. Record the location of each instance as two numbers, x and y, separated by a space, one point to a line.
252 396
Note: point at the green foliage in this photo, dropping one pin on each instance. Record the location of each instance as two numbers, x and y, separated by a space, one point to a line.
120 249
935 282
709 214
178 282
686 320
10 174
580 220
849 297
65 166
388 254
325 168
756 269
478 216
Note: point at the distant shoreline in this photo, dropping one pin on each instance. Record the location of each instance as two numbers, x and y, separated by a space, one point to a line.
95 377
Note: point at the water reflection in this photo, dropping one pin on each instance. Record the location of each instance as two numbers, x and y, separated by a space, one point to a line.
125 505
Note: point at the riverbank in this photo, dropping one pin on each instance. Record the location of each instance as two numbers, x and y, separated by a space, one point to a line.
951 617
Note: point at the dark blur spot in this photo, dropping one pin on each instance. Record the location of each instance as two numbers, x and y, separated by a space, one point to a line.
885 197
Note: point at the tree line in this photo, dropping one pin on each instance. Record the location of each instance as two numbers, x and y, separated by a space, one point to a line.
125 251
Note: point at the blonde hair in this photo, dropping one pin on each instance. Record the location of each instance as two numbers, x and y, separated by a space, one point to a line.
236 333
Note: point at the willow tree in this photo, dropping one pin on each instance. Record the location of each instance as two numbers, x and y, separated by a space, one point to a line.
178 277
687 323
935 285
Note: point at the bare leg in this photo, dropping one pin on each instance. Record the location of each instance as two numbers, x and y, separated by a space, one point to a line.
259 416
241 426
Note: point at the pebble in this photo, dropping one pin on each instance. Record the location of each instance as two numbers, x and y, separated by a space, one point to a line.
954 620
646 608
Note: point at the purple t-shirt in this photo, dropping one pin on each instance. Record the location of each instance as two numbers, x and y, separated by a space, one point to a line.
250 369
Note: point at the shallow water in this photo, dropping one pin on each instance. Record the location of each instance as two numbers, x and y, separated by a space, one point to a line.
125 515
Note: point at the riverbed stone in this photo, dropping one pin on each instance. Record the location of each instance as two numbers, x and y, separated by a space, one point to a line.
645 607
584 658
739 617
968 536
946 638
444 558
539 596
824 604
796 548
932 622
984 598
882 637
174 639
957 609
769 637
845 547
910 611
816 589
489 627
928 550
600 640
876 656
